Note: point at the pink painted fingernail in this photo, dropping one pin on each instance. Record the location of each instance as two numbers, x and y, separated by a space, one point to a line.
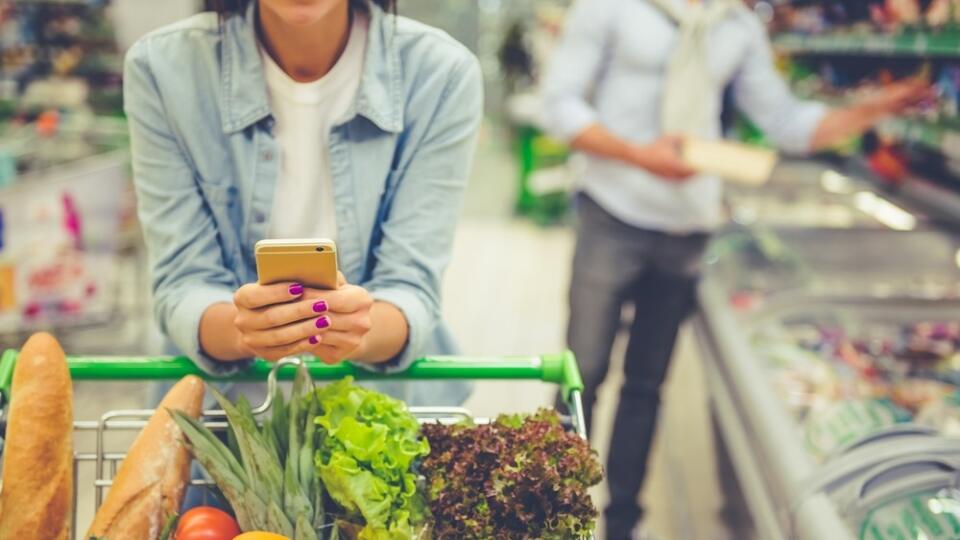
313 340
296 289
323 322
320 306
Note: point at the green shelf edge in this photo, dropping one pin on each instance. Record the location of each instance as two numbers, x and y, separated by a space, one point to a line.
911 44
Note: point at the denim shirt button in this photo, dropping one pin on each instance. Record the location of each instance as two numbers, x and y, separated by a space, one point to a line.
259 216
267 155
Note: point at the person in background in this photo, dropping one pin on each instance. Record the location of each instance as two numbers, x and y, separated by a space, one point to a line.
628 80
302 119
515 61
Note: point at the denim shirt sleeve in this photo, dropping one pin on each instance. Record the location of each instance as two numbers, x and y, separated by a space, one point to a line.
574 67
761 93
188 274
418 232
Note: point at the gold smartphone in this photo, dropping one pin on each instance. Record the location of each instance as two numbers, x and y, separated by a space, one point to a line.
310 262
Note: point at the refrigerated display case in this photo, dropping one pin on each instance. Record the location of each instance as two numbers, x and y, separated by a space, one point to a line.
809 194
831 353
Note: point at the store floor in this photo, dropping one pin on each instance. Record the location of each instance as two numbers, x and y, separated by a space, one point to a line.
505 295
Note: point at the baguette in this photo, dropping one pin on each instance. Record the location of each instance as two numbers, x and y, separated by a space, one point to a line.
38 452
150 484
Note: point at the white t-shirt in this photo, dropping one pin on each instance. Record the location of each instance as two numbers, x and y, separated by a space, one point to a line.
303 204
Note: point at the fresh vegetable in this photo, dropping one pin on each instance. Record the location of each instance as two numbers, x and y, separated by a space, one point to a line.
334 463
260 535
266 474
206 523
368 446
519 477
168 528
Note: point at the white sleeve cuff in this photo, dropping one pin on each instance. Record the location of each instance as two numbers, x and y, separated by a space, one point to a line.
799 140
566 118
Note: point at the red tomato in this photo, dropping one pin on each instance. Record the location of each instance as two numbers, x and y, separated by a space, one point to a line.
206 523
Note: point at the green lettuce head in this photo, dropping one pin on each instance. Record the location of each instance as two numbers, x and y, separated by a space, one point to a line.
365 459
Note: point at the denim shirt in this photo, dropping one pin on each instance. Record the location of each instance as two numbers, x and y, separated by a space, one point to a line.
205 168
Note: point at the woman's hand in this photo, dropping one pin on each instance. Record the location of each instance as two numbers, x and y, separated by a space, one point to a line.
350 323
287 319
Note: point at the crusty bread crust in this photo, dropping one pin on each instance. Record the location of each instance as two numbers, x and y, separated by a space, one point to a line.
150 484
36 501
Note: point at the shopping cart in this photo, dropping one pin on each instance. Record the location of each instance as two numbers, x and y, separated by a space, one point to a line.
559 369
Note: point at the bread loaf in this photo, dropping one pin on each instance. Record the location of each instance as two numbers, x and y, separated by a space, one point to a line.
150 484
37 491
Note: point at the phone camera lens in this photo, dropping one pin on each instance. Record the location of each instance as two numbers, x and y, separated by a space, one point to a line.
319 248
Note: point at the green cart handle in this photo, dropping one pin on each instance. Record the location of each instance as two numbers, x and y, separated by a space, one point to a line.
560 369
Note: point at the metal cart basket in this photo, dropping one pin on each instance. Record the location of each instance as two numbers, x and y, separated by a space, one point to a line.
559 369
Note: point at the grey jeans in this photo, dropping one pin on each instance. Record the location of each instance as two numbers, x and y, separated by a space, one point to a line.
616 264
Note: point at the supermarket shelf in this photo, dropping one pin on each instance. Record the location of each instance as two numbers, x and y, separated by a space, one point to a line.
930 197
914 44
943 139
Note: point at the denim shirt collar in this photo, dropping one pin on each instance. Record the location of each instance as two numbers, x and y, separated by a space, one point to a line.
244 99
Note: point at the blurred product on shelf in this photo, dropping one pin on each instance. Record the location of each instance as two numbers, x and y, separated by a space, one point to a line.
65 200
885 158
839 51
928 514
58 54
61 233
832 427
818 17
844 386
546 180
942 12
54 138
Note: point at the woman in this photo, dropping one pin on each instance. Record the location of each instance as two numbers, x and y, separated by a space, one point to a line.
283 118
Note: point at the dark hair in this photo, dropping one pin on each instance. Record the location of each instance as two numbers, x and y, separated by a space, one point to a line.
229 7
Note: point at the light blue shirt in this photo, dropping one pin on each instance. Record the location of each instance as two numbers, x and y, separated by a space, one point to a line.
205 168
609 67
